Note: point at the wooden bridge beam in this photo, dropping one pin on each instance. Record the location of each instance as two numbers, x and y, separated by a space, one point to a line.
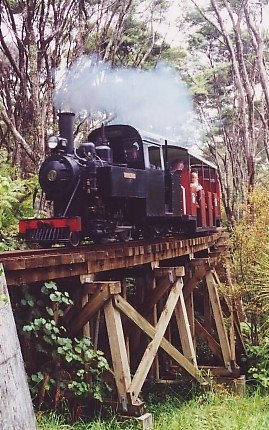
118 352
141 322
185 330
219 320
153 346
103 292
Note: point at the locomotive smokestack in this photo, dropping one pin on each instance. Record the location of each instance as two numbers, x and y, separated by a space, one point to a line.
66 129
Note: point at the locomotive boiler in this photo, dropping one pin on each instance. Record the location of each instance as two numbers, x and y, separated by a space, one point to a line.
120 184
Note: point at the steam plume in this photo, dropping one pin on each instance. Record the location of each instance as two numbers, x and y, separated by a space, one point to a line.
154 100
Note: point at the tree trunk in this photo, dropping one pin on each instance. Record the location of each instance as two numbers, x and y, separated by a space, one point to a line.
16 410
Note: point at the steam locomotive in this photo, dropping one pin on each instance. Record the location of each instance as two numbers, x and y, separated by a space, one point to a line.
121 184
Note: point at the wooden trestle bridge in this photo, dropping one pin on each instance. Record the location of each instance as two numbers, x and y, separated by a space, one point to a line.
147 305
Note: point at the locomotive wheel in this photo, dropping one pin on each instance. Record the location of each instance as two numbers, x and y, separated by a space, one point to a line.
74 238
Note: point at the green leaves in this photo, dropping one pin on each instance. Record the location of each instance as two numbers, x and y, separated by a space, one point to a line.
250 254
71 365
259 356
15 203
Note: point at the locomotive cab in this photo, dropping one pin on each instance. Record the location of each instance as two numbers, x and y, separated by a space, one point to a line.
124 143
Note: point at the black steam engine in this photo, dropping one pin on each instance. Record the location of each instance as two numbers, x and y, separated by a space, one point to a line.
121 184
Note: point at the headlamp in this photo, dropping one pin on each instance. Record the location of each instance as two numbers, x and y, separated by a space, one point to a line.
55 142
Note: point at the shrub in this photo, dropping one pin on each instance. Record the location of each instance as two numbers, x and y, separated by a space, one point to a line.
62 368
15 203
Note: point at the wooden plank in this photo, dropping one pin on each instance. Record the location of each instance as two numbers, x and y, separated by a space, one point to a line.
153 346
93 306
194 280
150 331
118 352
189 304
232 337
16 410
171 272
184 330
219 320
239 337
86 330
30 268
152 318
190 313
36 274
237 309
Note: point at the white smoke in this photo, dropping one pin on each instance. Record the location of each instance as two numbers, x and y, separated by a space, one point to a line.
155 100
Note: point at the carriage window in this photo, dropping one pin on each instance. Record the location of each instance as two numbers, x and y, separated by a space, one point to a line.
213 175
206 172
155 157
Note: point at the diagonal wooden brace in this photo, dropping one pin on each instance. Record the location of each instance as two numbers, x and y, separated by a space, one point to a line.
104 291
184 330
147 328
153 346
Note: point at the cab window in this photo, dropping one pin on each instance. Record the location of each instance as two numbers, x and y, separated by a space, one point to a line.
155 160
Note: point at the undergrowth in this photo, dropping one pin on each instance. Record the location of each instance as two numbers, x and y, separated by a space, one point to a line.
208 411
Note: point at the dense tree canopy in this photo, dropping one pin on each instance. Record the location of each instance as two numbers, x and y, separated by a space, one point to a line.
230 83
36 38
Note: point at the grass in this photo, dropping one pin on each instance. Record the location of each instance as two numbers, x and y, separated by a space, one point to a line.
216 412
204 412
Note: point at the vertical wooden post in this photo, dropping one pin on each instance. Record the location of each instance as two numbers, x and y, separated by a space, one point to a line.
153 320
127 337
198 271
218 316
118 352
86 329
16 409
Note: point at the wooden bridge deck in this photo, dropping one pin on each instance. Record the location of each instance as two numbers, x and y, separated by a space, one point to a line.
28 266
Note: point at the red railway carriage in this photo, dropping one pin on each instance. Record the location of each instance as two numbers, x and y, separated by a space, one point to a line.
122 183
198 209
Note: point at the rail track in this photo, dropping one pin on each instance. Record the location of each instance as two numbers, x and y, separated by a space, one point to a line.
33 265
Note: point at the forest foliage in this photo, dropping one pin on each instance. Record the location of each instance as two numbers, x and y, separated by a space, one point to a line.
250 257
